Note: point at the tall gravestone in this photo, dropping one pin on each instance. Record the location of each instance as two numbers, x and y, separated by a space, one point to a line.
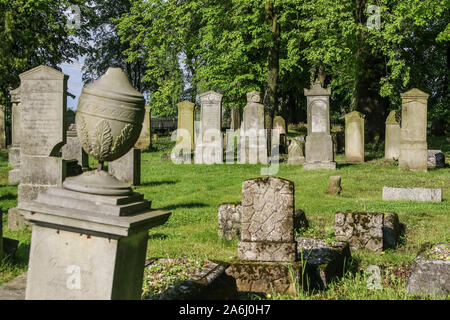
253 133
279 124
413 143
145 142
14 150
128 167
209 145
392 140
185 129
267 221
354 137
319 144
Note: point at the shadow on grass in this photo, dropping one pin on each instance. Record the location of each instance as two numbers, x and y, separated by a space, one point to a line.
186 206
8 196
157 236
158 183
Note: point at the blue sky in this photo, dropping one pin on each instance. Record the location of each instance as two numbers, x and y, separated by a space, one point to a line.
75 84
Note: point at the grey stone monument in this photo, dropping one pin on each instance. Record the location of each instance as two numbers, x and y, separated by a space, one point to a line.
253 135
413 144
392 140
354 137
209 144
267 220
319 144
89 236
14 150
128 167
295 153
73 150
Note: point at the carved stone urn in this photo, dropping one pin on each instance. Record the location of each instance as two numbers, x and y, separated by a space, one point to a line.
108 121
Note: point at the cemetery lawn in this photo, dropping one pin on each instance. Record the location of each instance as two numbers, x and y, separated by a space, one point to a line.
193 193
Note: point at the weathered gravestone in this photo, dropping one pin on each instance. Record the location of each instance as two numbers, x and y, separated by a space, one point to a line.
145 142
430 272
16 134
295 153
279 124
89 236
3 142
354 137
128 167
185 129
253 136
73 150
436 159
229 220
334 185
209 144
413 145
373 231
413 194
319 145
393 133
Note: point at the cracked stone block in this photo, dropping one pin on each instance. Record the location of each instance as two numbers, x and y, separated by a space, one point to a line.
373 231
430 272
324 262
266 277
267 223
229 220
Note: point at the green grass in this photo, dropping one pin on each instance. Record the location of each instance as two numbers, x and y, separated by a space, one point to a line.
193 193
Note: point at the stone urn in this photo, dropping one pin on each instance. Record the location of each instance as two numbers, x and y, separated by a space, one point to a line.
108 121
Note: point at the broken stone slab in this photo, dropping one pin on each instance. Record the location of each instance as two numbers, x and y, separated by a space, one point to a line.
266 277
413 194
436 159
210 283
430 273
324 262
374 231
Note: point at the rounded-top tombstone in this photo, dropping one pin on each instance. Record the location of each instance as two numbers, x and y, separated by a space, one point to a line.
109 121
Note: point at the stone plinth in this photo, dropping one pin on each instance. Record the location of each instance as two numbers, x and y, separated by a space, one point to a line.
253 134
86 246
393 134
229 220
209 144
430 272
128 167
319 144
267 220
413 194
354 137
413 143
145 142
373 231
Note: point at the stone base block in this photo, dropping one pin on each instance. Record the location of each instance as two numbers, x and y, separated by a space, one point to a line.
267 251
320 166
14 176
267 278
413 157
430 272
413 194
324 262
16 221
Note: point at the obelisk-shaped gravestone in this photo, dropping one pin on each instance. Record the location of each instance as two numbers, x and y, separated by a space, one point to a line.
209 145
413 145
354 137
319 144
392 140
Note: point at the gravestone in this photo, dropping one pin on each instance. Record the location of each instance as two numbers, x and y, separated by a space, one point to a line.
436 159
185 129
235 119
209 144
393 133
3 142
374 231
295 153
334 185
267 220
354 137
73 150
319 144
253 136
229 220
413 143
145 142
280 124
413 194
128 167
16 134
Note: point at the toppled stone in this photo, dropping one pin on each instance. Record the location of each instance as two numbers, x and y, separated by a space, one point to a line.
430 273
324 262
229 220
334 185
413 194
374 231
436 159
